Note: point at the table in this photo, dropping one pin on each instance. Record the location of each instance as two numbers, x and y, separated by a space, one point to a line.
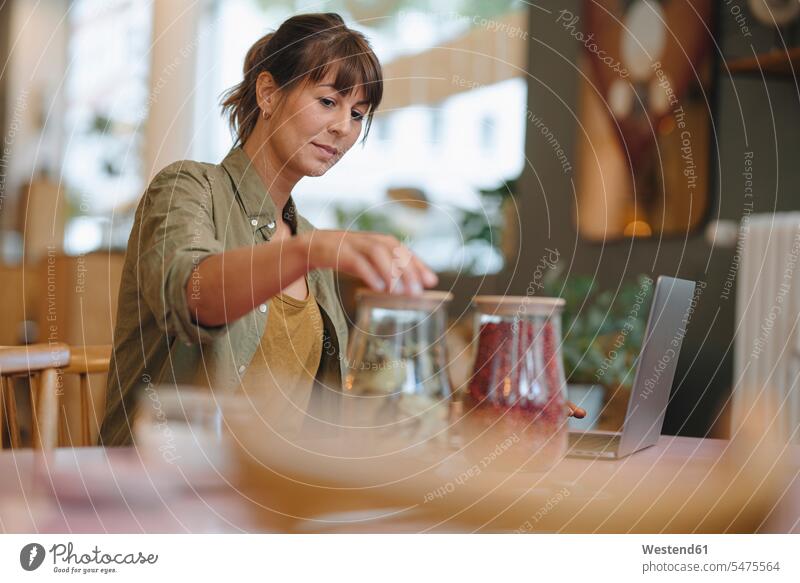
93 490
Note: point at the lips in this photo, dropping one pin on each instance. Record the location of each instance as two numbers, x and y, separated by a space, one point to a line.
330 151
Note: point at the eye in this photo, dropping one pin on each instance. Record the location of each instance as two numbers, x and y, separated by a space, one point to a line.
357 115
327 102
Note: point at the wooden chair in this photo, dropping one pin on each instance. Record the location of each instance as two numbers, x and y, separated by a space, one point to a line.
40 363
84 360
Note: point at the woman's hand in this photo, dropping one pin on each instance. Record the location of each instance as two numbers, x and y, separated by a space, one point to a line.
381 261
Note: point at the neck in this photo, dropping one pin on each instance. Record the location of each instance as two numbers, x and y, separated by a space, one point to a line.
277 179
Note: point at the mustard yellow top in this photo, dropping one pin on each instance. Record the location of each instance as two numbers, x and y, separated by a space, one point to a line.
282 372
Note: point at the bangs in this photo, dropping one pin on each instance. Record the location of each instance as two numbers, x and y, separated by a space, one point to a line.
354 65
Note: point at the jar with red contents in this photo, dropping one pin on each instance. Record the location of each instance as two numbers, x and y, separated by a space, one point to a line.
515 402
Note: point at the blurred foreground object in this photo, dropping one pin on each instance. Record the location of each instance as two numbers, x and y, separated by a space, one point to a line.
767 356
188 427
353 483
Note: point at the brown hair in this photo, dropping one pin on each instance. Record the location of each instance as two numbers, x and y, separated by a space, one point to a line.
304 48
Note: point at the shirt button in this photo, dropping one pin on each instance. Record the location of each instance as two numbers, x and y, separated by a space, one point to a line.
254 222
262 308
242 369
271 224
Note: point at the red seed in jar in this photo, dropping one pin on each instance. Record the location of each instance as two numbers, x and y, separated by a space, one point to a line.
517 385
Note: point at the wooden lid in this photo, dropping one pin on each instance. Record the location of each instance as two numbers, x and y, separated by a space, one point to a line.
518 305
427 300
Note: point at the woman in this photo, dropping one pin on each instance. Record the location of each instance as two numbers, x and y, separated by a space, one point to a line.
224 283
217 251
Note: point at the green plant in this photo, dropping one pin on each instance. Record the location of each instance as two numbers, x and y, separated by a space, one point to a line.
603 331
487 224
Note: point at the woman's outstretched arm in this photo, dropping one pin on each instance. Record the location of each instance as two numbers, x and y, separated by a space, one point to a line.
226 286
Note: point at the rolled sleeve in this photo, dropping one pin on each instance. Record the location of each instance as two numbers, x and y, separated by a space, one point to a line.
176 232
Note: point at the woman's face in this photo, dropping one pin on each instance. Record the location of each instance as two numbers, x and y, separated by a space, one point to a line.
316 126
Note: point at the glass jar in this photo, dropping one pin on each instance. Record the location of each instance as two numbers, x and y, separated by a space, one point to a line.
515 403
397 385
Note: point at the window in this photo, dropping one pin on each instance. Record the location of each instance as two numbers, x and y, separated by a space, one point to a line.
107 97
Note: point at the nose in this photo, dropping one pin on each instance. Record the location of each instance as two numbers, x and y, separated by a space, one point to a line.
342 125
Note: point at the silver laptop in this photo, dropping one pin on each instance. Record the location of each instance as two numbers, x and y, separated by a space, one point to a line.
655 370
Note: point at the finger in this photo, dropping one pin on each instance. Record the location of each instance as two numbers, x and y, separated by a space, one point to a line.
428 277
404 269
357 264
397 285
389 240
412 280
380 258
575 411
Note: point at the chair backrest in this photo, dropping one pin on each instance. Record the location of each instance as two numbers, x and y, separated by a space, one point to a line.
85 361
40 363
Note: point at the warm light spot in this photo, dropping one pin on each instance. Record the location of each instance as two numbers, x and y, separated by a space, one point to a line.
638 229
666 125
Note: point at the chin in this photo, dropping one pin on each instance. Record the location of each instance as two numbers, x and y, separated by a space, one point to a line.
319 168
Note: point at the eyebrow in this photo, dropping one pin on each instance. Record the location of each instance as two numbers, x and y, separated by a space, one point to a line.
362 102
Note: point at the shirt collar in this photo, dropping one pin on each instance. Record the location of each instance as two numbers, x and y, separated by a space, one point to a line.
252 193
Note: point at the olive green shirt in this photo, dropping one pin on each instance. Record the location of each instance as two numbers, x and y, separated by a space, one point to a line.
192 210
